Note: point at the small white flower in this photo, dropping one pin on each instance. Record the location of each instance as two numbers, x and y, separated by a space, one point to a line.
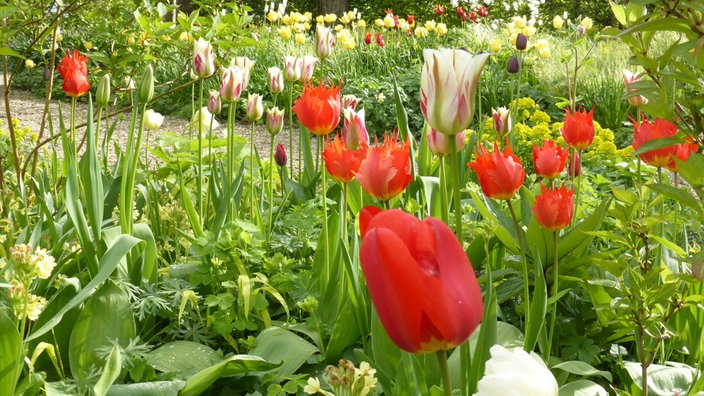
313 387
515 372
152 119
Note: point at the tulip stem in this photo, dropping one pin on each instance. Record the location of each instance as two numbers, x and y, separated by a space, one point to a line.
444 372
443 192
455 175
526 285
199 181
272 163
577 180
555 290
326 254
290 123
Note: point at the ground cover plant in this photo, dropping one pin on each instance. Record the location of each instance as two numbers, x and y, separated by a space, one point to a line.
460 204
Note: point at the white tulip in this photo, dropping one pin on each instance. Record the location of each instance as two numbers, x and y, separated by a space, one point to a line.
152 119
516 373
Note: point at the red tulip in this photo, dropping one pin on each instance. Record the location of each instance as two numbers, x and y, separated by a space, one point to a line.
682 153
74 70
483 12
439 9
411 19
341 162
368 38
472 16
578 130
574 165
501 175
554 208
658 129
380 40
420 280
549 160
318 108
386 170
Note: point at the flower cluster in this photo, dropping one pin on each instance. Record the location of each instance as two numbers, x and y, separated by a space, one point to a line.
24 266
345 379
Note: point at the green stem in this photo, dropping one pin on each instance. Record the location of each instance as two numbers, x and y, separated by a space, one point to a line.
455 175
231 154
524 260
326 254
199 181
578 183
443 192
253 195
272 163
344 212
555 290
290 123
444 372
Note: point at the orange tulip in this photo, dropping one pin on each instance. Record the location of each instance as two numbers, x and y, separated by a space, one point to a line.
341 162
501 175
318 108
658 129
578 130
420 280
386 170
554 208
74 70
549 160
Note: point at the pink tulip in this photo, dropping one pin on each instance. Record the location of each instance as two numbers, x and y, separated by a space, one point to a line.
439 144
203 58
232 84
354 131
276 80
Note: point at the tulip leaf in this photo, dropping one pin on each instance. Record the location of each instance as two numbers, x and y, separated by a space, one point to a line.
287 349
111 372
678 195
431 189
675 378
577 240
657 144
583 388
156 388
487 335
11 355
538 308
583 369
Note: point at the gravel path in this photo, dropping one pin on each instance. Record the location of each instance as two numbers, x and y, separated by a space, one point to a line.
28 109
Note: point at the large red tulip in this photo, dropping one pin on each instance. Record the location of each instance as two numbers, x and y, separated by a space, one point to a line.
318 108
554 208
420 280
341 162
74 70
501 175
386 170
578 129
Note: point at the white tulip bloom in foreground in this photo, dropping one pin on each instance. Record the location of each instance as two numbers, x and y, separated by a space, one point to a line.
516 373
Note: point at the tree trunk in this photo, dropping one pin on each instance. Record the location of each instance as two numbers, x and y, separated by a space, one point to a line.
337 7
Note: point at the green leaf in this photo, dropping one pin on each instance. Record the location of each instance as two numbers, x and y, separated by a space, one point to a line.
279 345
538 307
657 144
7 51
111 371
107 265
11 355
184 358
583 369
231 366
106 317
157 388
91 178
663 380
681 196
583 388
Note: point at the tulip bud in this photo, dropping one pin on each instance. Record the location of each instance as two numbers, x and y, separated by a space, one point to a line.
292 68
349 101
276 80
514 65
354 131
146 87
574 165
521 42
232 83
439 143
502 121
255 107
246 65
308 67
102 97
587 23
203 58
557 22
581 31
274 121
280 155
47 73
152 120
214 103
324 42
